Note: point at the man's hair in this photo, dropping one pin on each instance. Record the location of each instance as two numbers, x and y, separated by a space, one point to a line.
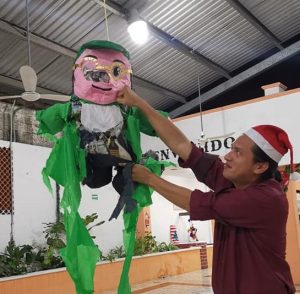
261 156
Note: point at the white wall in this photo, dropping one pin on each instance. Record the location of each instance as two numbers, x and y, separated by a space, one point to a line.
110 234
164 213
34 205
282 111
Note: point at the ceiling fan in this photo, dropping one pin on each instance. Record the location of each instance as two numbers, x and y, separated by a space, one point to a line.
29 79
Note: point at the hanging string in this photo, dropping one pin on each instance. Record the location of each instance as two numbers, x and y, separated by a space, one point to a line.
28 33
106 20
200 106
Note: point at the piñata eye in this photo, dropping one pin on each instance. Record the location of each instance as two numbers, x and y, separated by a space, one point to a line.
116 71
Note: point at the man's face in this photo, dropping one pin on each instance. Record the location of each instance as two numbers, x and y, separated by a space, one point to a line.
239 167
99 74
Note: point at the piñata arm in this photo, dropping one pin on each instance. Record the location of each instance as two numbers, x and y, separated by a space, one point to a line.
53 119
144 125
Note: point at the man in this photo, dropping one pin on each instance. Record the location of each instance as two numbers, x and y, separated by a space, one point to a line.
248 205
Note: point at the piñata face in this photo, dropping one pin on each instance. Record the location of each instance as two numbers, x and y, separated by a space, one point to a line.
99 74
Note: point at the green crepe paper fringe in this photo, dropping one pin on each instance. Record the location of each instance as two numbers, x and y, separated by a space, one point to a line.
66 165
142 195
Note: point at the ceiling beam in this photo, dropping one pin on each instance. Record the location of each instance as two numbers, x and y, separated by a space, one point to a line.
255 22
135 4
165 92
168 39
22 34
253 71
114 8
181 47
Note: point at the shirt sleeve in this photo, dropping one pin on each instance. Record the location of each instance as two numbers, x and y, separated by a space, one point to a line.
208 168
252 207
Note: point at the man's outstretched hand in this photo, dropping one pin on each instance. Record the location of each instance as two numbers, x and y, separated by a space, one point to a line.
128 97
141 174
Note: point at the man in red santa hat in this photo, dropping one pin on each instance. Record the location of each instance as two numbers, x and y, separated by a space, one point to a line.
248 205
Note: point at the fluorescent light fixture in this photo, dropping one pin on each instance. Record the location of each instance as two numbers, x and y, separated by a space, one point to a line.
137 28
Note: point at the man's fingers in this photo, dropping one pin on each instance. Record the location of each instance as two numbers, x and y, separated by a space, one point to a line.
121 92
135 167
120 96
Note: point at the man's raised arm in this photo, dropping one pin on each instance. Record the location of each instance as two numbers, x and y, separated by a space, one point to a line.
164 128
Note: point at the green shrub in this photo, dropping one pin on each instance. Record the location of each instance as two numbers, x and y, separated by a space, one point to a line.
142 246
17 260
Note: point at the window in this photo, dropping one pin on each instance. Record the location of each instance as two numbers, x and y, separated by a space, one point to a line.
5 181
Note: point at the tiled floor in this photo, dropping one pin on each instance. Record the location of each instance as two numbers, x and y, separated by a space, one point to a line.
193 283
198 282
190 283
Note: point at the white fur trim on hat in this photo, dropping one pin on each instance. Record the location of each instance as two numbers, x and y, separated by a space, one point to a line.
263 144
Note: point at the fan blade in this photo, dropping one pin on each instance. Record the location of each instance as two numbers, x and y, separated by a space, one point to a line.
56 97
10 97
29 78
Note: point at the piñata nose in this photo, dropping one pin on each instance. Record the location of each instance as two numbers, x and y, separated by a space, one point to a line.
100 76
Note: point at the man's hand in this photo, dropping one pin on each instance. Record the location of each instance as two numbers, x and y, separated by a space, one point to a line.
141 174
128 97
165 129
178 195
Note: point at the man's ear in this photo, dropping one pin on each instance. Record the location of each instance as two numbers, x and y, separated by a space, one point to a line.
261 167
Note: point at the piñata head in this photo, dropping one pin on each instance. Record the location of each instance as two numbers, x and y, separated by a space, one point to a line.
101 69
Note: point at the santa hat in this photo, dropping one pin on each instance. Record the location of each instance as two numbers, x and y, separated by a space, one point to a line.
273 141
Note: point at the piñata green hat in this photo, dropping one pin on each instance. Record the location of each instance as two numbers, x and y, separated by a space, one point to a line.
101 44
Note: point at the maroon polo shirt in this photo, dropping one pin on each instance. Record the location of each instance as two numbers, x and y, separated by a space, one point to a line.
250 230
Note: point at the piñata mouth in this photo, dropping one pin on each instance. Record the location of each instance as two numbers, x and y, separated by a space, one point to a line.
103 89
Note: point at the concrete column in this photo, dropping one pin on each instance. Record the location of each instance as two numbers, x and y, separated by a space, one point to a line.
143 226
